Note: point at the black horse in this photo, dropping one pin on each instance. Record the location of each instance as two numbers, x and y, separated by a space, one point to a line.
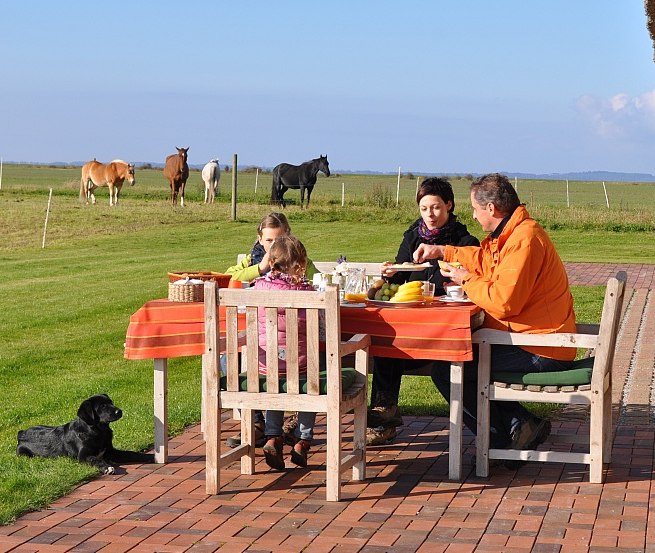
301 176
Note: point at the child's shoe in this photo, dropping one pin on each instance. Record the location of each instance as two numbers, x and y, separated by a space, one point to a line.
289 429
273 452
299 453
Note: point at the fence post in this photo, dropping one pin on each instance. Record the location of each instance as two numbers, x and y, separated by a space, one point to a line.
0 173
256 179
234 187
343 193
398 187
607 200
45 225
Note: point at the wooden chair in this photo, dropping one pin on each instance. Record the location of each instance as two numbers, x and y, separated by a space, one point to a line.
588 383
335 391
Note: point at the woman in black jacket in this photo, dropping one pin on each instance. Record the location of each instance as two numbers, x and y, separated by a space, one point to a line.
437 225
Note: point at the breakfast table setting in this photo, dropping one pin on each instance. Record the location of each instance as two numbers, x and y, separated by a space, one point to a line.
416 325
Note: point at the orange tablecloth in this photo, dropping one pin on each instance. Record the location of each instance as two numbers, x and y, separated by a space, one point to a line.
164 329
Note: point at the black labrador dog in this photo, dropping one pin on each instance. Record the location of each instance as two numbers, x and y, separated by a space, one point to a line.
88 438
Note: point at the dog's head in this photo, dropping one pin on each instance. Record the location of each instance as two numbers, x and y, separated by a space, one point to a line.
99 409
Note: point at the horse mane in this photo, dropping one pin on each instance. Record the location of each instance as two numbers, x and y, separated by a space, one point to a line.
119 161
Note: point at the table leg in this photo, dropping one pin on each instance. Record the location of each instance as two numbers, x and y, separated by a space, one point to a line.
161 410
203 417
456 421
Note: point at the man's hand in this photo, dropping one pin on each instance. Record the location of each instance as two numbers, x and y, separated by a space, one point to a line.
428 251
456 274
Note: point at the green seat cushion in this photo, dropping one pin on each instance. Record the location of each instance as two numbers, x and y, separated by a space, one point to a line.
578 375
348 377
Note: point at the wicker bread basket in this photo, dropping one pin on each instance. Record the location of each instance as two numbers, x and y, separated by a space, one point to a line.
221 278
188 292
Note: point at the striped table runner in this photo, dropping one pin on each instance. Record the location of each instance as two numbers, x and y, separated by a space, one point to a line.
165 329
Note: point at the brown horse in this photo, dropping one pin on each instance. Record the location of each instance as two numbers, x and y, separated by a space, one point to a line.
176 171
112 175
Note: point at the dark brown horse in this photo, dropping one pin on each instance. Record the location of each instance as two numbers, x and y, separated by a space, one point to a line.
301 176
176 171
112 175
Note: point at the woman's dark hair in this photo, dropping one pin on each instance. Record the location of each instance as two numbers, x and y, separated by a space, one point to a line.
496 189
437 186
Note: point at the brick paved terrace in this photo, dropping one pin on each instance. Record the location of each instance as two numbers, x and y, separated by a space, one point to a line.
407 503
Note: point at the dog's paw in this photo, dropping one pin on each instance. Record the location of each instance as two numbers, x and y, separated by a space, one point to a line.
108 470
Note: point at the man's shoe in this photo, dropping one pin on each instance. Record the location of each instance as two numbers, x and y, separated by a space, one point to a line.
529 435
260 439
381 435
299 452
273 452
384 416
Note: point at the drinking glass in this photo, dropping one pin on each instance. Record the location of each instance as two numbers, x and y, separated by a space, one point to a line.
428 291
356 288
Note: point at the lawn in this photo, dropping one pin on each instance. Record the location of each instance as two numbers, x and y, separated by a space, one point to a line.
66 306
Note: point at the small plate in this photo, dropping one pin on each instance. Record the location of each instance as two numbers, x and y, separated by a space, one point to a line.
409 266
352 304
380 303
447 299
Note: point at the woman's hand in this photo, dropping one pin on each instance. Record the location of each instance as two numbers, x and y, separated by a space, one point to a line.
385 271
428 251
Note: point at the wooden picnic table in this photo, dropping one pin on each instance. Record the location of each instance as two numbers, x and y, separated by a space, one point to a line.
161 330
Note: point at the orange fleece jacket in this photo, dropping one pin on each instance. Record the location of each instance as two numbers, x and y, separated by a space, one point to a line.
520 282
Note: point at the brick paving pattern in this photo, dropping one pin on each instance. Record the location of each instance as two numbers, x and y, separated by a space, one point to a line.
407 503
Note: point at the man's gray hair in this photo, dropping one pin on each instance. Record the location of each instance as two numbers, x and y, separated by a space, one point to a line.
496 189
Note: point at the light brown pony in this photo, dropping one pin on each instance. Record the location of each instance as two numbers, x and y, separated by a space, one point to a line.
176 171
112 175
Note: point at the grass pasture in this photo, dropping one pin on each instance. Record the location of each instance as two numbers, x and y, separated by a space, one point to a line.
66 306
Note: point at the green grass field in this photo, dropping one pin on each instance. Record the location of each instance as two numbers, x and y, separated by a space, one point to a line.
66 306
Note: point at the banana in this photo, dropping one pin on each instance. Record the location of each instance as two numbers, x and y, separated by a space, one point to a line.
408 297
417 293
413 285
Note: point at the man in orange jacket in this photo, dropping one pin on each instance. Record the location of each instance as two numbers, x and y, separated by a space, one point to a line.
519 280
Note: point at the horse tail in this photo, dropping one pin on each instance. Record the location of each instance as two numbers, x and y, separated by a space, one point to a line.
275 199
83 180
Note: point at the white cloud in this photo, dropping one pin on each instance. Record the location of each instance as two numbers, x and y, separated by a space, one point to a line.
620 117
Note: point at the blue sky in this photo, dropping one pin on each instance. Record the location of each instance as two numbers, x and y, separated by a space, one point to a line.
431 86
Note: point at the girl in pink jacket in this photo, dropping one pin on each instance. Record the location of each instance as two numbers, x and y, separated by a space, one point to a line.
288 261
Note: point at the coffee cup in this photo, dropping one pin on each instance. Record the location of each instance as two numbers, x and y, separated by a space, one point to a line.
455 292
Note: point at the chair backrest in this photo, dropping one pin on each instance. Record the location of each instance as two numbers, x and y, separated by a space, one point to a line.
300 307
609 326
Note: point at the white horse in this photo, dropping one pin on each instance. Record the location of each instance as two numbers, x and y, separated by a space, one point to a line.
211 174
